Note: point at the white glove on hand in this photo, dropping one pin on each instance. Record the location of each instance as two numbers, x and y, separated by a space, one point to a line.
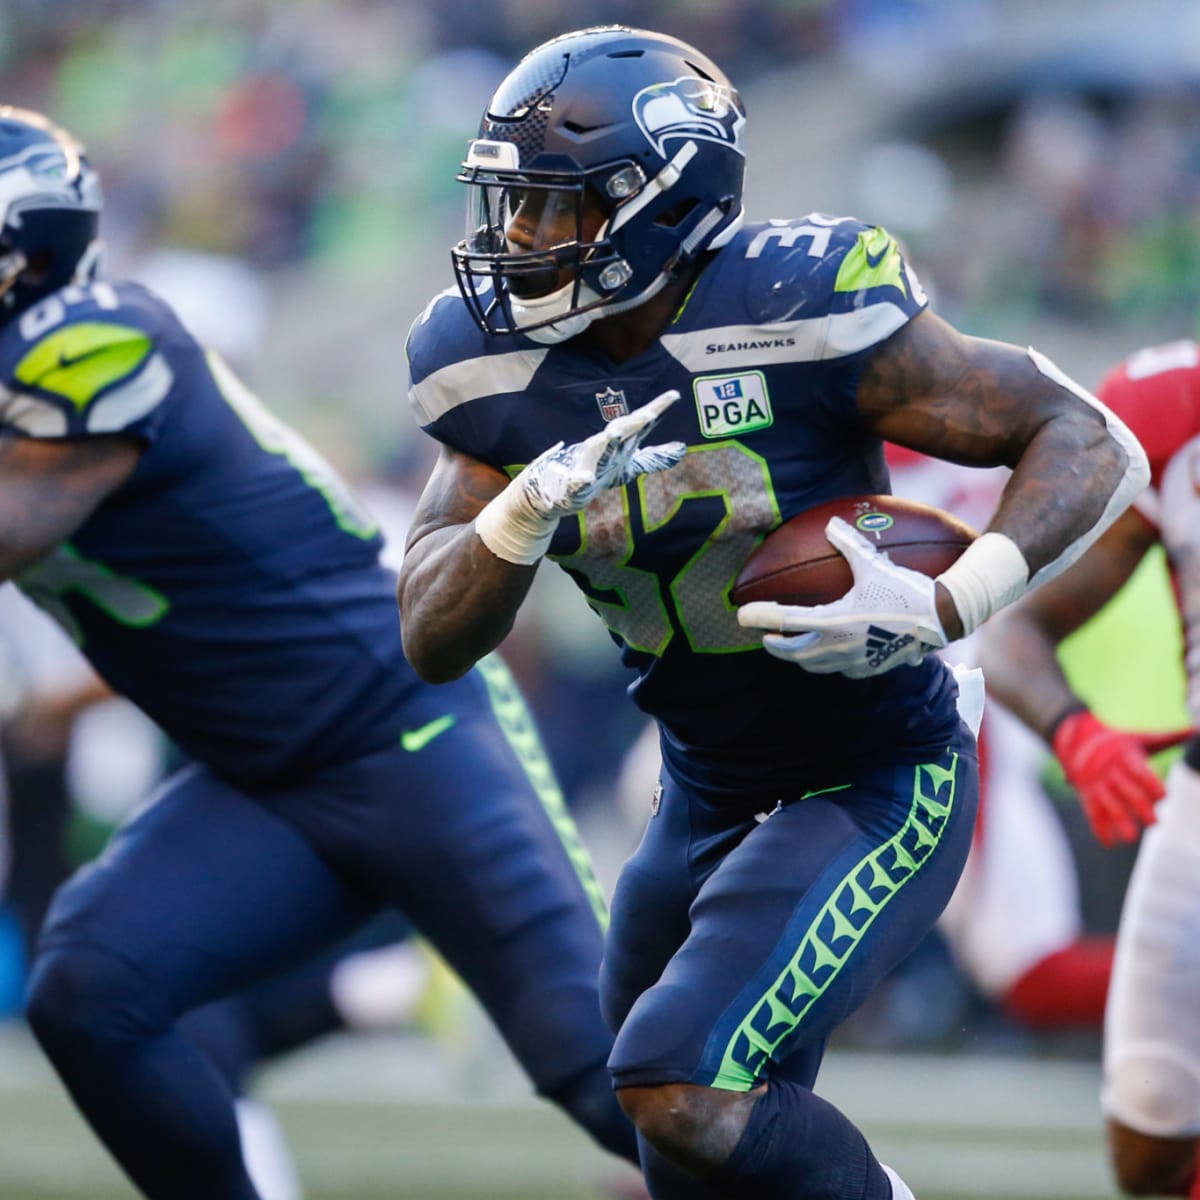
564 479
519 524
887 619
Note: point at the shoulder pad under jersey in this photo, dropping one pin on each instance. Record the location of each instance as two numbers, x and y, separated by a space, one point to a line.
844 284
1156 392
451 361
85 360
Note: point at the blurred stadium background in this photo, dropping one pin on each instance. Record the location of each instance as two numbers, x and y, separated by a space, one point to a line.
283 170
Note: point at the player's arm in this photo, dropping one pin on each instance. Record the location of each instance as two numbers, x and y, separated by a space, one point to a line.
1020 644
458 599
49 488
1109 768
477 536
1075 467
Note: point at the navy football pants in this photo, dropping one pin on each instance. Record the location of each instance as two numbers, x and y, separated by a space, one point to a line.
211 889
739 939
243 1031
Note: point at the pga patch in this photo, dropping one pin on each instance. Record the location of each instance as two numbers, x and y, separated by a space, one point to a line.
730 404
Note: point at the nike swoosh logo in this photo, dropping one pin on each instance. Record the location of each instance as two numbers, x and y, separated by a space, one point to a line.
65 363
417 739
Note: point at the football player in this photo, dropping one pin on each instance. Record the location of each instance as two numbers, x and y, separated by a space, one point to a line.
819 787
1151 1095
216 571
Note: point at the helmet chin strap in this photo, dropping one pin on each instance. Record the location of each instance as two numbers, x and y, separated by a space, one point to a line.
559 302
570 326
559 331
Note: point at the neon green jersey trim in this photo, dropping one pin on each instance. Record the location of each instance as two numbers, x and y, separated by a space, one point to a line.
873 261
828 944
686 300
122 598
518 728
82 360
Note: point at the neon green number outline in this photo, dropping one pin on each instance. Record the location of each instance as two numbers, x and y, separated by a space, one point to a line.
638 613
277 438
124 599
700 590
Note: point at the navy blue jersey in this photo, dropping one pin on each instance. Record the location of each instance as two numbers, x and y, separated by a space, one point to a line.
766 353
231 587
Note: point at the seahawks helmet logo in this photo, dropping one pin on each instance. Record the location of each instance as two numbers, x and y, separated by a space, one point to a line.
44 176
689 108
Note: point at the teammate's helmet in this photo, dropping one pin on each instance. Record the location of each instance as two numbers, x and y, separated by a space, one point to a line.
49 210
627 147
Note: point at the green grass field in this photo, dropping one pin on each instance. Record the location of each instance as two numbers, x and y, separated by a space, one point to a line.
392 1118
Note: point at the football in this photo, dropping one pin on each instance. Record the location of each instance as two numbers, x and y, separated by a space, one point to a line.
795 563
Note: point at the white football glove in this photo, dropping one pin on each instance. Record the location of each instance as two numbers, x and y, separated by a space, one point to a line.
564 479
887 619
519 524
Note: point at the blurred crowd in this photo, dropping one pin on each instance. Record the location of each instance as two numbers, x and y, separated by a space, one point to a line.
1088 212
302 154
283 171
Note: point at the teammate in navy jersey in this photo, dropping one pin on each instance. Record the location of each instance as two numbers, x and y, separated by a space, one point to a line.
214 570
818 785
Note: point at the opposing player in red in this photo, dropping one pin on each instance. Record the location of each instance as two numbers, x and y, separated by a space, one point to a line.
1151 1095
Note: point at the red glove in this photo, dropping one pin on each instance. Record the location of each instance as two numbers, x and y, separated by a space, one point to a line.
1111 772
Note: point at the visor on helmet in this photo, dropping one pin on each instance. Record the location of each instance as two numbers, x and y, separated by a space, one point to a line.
535 246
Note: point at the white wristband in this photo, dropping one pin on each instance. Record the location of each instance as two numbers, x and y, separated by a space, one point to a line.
510 528
990 573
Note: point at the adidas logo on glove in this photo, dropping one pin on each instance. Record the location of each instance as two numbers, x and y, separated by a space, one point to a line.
882 644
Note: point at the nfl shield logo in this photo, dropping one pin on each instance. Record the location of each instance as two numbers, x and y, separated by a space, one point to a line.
612 403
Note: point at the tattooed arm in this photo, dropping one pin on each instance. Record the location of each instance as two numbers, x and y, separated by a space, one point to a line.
478 536
1019 645
49 488
458 600
1075 466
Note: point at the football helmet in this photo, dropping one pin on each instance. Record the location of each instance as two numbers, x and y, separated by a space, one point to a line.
607 161
49 210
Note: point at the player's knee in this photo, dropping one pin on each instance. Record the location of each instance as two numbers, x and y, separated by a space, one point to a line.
80 994
1138 1175
1150 1166
1154 1091
697 1128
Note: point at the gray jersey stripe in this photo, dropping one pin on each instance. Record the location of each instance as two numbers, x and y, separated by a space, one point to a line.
471 379
124 405
813 339
33 415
